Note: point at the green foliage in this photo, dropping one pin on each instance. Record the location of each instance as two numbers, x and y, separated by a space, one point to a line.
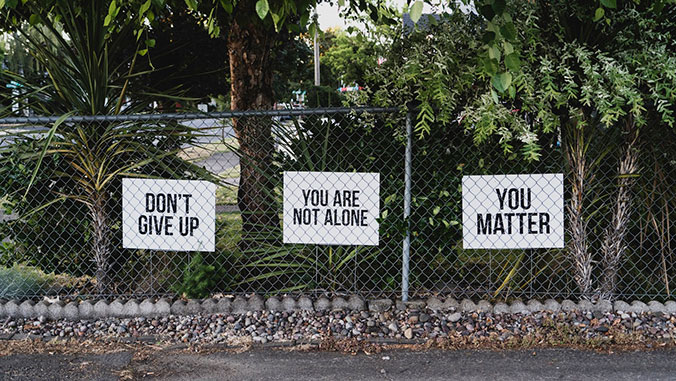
198 279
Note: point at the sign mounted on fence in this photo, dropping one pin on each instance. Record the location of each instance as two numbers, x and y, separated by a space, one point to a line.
331 208
177 215
512 211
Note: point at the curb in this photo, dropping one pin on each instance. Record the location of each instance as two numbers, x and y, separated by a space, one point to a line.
92 309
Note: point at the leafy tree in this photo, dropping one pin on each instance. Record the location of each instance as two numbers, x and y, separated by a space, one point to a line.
83 52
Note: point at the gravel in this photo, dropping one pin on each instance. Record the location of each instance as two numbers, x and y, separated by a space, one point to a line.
304 326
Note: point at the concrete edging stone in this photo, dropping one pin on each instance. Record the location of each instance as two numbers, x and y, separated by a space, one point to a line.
93 309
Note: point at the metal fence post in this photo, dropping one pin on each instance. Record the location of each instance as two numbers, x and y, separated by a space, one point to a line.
406 249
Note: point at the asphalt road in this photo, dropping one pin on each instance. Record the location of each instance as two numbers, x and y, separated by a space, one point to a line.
389 365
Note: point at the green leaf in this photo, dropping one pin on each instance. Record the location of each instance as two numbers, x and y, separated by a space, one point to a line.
192 4
34 19
494 53
144 7
487 12
502 81
600 12
416 11
150 43
513 62
490 66
341 3
499 6
508 31
609 4
488 37
48 141
262 8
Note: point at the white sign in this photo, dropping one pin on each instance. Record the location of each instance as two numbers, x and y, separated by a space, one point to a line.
512 211
177 215
331 208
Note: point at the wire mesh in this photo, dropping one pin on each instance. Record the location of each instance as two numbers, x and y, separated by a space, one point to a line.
62 208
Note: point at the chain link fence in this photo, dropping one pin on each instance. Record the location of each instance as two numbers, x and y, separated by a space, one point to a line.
65 186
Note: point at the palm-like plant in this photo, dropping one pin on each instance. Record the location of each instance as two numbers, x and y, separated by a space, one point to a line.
88 65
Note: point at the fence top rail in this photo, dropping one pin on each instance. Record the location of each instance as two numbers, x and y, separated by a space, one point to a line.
205 115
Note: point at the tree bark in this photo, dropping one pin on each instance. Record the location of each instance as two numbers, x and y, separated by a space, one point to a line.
101 244
250 44
614 246
576 156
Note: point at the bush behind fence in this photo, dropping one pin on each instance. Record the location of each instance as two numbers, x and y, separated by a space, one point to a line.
62 234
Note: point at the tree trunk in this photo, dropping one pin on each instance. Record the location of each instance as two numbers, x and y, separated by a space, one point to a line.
101 244
613 247
249 47
576 156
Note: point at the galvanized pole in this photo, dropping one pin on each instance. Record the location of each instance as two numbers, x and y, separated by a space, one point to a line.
317 67
406 250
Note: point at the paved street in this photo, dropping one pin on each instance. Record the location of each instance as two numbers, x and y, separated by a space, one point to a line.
268 364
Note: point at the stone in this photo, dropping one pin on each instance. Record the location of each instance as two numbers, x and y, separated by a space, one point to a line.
415 304
585 305
467 305
339 303
454 317
356 303
670 306
56 310
484 306
147 308
41 308
380 305
408 333
568 305
26 309
256 303
178 308
71 311
552 305
518 307
656 306
209 306
12 309
305 303
289 304
621 305
603 306
638 307
435 304
86 309
223 305
239 305
450 304
131 308
193 307
535 306
162 307
322 304
115 308
501 308
273 304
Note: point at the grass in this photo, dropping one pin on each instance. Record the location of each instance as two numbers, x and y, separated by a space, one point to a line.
230 173
228 232
226 195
